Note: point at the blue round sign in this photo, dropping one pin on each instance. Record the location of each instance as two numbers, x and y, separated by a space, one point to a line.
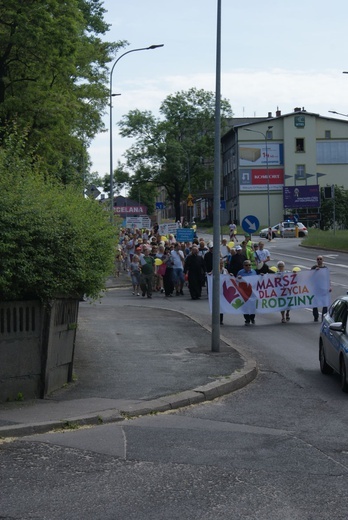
250 224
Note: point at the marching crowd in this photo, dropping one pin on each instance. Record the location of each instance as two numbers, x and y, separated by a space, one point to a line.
161 264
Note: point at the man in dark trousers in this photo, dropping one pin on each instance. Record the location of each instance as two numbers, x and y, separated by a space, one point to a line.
236 261
147 264
208 258
319 265
195 269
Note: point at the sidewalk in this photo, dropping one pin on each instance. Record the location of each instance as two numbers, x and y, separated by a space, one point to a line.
132 359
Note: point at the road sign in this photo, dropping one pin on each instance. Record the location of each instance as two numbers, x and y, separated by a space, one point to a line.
92 191
222 204
189 201
160 205
250 224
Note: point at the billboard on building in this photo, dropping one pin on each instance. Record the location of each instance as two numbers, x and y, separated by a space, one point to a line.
255 154
301 196
256 179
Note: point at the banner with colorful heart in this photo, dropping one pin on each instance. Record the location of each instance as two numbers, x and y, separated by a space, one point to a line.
257 294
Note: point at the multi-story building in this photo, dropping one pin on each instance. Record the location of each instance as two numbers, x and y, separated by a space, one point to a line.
273 167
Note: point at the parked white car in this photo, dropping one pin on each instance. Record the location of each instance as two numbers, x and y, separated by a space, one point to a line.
289 230
333 341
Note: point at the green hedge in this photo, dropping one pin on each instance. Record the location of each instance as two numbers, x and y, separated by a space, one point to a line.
53 241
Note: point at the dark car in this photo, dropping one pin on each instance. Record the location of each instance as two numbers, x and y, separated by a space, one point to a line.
333 341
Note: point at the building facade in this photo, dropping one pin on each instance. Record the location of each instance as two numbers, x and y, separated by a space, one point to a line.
274 167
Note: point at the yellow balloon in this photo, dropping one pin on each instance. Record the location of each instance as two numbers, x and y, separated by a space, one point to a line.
230 244
158 261
296 269
273 268
163 239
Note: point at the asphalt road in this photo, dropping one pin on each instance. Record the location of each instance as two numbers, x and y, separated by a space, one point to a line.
275 450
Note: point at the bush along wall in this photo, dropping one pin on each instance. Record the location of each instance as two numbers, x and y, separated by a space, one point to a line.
54 243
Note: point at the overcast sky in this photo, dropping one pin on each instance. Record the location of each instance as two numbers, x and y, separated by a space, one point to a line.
275 54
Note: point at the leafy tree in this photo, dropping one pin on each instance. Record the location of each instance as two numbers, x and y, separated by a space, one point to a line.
146 194
143 192
175 151
341 209
53 78
53 240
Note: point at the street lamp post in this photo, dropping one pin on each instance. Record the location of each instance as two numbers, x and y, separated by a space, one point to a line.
151 47
189 189
215 332
267 170
338 113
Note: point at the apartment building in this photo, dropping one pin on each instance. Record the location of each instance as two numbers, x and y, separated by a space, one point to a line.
275 166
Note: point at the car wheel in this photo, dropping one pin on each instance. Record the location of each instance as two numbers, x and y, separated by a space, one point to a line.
301 234
343 374
324 367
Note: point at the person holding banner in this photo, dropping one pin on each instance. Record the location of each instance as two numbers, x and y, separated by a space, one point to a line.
223 270
285 315
319 265
243 273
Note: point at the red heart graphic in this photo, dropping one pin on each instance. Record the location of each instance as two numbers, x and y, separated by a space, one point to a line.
236 290
230 293
245 290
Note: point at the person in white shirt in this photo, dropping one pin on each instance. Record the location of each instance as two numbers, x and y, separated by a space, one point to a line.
263 253
233 232
224 250
262 256
281 229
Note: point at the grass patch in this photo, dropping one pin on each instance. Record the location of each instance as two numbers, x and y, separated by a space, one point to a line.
327 239
316 237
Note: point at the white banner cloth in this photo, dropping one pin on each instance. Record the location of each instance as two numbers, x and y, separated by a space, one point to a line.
260 294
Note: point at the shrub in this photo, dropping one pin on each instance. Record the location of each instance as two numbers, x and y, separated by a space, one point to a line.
53 241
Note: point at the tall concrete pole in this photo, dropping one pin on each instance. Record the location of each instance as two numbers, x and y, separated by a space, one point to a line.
215 336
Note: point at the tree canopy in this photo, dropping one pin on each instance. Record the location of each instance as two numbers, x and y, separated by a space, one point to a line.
53 240
53 78
175 150
340 203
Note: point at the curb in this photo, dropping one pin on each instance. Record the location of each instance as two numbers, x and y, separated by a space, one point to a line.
208 392
222 386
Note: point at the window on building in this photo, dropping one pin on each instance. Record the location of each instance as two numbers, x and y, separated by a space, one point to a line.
327 134
300 145
300 171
